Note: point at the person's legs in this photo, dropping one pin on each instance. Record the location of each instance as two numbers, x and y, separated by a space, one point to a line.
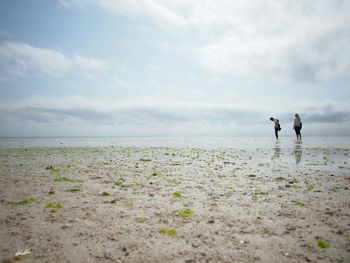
297 131
276 133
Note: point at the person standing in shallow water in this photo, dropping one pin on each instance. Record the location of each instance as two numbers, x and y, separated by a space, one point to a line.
297 126
277 126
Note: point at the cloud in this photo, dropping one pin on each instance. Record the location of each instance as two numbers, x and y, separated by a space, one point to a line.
17 58
52 115
165 116
303 41
140 112
329 116
124 114
89 63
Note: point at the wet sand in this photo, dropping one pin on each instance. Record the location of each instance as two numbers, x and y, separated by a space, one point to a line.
123 204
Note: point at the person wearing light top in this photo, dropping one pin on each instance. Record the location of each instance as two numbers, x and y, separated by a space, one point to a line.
277 126
297 126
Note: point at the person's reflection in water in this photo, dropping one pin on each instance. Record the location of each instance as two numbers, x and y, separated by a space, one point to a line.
276 151
298 151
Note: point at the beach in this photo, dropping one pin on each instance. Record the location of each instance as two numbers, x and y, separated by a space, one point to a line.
175 204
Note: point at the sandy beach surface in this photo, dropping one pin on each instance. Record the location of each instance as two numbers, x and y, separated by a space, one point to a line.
130 204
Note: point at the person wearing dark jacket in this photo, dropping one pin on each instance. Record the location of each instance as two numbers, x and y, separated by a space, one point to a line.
297 126
277 126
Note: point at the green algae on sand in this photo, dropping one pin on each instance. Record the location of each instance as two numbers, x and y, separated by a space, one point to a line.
184 212
120 182
168 231
251 175
27 201
66 179
177 194
53 206
73 190
323 244
299 203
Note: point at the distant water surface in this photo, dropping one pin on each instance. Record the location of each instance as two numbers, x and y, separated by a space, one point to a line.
248 143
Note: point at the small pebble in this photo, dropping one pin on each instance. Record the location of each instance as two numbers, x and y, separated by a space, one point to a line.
107 254
291 228
339 232
195 244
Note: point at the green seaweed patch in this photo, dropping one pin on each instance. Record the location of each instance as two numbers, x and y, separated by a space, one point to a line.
156 174
296 186
177 194
310 187
280 179
260 192
254 198
299 203
184 212
251 175
168 231
145 160
335 189
66 179
120 182
27 201
53 206
323 244
73 190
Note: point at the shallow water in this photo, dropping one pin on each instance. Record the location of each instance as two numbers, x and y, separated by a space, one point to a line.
324 154
247 143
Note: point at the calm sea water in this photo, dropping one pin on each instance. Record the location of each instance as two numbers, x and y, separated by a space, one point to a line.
177 141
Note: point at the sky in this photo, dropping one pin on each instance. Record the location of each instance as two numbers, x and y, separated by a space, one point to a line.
173 67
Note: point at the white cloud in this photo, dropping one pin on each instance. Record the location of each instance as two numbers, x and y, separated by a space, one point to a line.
288 40
89 63
19 58
164 116
248 111
150 117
